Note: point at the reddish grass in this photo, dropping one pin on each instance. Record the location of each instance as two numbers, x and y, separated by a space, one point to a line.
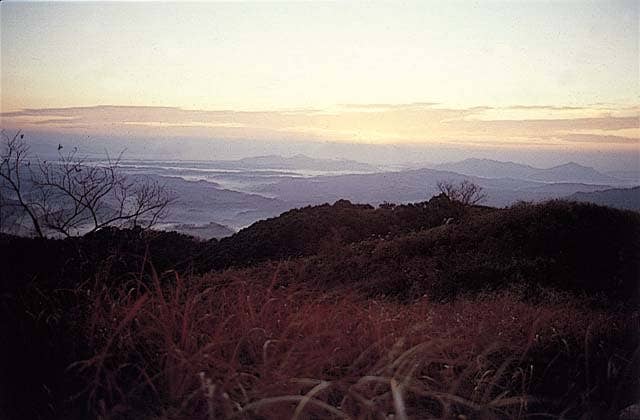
229 345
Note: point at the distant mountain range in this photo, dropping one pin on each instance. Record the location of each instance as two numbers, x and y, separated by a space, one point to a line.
273 163
302 162
413 185
214 199
568 173
503 182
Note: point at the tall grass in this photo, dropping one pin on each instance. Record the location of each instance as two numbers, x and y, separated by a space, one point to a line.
229 345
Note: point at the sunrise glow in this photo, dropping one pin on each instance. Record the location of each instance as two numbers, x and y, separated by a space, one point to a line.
495 74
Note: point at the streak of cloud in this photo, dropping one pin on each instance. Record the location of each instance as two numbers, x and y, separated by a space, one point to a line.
412 123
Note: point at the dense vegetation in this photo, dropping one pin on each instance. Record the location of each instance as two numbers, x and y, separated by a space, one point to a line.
332 311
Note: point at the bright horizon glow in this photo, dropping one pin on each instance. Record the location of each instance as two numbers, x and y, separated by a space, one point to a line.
512 74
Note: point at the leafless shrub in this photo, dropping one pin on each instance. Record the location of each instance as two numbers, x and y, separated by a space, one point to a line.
464 192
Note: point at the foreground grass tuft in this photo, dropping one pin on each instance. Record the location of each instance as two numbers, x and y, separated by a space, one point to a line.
224 346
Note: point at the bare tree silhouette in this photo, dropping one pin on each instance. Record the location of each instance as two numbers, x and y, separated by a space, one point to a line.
71 196
465 192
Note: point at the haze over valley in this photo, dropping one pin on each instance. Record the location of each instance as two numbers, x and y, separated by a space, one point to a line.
214 198
232 194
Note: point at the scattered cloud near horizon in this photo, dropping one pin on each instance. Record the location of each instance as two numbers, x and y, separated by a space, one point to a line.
601 126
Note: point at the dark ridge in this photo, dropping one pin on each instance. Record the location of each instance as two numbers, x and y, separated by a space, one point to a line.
579 248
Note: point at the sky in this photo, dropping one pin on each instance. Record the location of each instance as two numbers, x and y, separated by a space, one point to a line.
529 76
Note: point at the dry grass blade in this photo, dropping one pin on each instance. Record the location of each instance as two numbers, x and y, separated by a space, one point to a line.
398 402
307 397
256 405
507 402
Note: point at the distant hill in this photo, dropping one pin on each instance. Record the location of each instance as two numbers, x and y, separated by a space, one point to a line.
573 172
562 188
633 176
488 168
620 198
302 162
568 173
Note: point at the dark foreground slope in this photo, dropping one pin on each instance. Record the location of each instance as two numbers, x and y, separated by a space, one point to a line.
582 249
401 250
313 229
295 233
619 198
368 312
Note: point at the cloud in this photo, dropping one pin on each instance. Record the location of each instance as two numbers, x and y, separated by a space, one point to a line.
185 124
422 122
550 125
548 107
56 121
597 138
412 105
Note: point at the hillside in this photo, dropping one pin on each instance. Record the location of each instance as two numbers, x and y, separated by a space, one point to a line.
207 231
557 245
499 313
309 230
619 198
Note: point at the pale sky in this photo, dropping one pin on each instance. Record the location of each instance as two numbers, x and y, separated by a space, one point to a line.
503 74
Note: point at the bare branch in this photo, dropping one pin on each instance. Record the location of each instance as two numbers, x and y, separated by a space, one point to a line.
13 160
71 196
